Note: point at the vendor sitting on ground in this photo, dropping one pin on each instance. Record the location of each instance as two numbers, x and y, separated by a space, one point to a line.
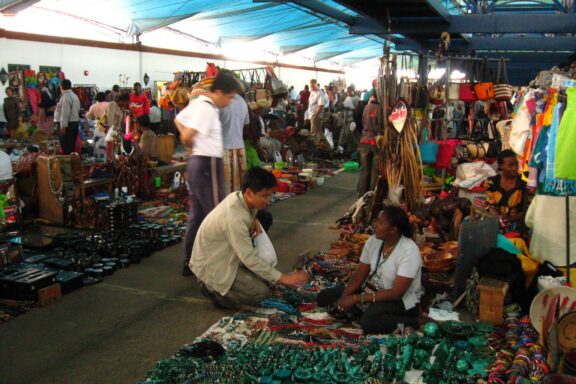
224 258
507 194
387 285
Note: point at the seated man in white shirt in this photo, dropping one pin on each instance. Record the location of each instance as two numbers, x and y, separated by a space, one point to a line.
224 258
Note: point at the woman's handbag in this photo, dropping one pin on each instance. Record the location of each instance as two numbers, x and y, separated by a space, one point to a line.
466 93
502 91
446 151
454 92
276 86
437 95
263 98
428 147
484 90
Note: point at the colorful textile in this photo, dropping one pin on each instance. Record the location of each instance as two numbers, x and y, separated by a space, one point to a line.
505 201
234 169
522 123
565 166
252 159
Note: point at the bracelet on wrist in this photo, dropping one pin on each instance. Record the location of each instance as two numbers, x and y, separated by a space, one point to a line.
373 297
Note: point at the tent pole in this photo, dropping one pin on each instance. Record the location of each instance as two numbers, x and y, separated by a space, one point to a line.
568 238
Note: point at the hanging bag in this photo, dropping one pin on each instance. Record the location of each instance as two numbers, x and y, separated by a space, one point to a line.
454 92
437 95
404 91
446 151
428 147
484 90
502 91
466 92
276 86
263 95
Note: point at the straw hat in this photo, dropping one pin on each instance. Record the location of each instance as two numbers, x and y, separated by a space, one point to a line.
180 97
207 83
198 89
541 304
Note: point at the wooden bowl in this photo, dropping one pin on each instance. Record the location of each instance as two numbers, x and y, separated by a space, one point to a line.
452 250
439 261
427 251
450 244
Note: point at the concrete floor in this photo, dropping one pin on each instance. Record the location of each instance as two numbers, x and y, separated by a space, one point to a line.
116 331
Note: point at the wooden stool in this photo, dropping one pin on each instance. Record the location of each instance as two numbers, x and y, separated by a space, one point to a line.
492 294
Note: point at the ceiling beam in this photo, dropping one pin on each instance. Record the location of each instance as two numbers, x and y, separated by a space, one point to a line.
528 57
523 44
531 44
336 14
437 6
495 23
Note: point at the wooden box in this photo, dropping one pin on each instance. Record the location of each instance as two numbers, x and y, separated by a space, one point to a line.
49 295
166 147
492 294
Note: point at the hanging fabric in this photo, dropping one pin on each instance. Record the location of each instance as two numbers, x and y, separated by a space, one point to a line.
521 123
565 167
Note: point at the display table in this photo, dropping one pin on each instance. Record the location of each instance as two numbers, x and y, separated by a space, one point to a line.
88 184
170 168
165 172
51 206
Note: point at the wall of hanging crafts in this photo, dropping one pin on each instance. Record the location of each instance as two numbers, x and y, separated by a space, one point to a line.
477 112
400 158
258 87
463 115
276 87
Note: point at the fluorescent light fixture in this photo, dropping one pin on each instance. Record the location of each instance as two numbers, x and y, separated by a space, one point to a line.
457 75
436 74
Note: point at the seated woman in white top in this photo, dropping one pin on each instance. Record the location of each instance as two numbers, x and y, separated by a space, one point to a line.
386 288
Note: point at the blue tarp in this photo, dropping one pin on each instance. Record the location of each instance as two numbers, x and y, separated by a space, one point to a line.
286 26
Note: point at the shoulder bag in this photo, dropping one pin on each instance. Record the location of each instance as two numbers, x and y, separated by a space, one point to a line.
466 92
428 147
502 91
484 90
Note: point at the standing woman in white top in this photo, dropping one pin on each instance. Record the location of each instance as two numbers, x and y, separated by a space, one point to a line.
385 291
201 132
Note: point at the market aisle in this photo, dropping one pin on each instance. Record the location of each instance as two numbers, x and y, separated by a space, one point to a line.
116 331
